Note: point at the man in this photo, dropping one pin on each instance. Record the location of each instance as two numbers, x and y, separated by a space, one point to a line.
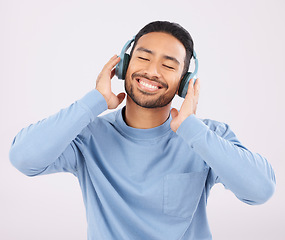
145 173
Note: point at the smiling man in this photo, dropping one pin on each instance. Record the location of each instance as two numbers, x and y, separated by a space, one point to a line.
145 170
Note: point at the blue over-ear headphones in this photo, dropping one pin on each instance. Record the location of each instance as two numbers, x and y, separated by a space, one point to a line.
122 67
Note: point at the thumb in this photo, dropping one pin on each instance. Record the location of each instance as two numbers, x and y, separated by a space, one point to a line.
121 97
174 113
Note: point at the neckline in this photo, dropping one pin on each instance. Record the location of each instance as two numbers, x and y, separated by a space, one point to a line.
142 134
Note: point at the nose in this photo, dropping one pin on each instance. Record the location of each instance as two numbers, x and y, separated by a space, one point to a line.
152 69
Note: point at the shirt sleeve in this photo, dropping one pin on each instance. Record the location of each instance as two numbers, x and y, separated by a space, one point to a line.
248 175
48 145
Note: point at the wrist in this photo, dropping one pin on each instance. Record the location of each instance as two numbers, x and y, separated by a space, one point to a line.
103 94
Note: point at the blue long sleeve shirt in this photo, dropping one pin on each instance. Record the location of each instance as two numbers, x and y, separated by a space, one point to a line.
142 184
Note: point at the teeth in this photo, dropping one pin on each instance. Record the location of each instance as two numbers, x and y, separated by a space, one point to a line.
148 85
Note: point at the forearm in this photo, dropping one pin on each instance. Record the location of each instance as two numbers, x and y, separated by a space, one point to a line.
248 175
40 144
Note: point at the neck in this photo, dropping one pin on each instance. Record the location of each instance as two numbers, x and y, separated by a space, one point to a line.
144 118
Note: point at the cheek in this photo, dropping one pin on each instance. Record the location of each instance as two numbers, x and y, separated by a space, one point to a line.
175 82
128 74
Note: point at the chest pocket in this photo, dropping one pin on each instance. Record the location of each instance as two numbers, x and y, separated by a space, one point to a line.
182 193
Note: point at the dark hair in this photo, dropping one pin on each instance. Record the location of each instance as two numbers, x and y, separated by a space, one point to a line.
173 29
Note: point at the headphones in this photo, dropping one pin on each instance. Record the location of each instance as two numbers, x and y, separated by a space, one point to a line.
122 67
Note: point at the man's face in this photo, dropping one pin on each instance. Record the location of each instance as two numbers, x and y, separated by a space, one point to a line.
155 70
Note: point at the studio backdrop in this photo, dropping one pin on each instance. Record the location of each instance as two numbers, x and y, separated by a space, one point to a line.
51 53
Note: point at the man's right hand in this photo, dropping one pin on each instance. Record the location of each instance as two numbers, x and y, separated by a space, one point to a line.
103 84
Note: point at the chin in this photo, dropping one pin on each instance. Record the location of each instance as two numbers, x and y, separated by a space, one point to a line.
148 100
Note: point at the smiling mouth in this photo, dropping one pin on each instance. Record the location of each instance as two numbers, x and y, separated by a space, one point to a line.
148 85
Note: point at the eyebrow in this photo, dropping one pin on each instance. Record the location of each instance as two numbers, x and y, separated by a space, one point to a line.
142 49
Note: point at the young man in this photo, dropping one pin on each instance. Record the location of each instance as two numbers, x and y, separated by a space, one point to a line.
145 173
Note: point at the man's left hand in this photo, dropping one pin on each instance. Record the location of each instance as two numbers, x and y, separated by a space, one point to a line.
188 107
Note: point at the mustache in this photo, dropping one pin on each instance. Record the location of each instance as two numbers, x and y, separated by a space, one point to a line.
155 79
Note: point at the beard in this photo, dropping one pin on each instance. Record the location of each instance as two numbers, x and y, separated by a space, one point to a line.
148 99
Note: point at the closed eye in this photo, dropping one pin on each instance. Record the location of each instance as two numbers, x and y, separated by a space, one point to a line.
172 68
145 59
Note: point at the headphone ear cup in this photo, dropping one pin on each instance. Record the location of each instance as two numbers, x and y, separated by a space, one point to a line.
183 87
126 61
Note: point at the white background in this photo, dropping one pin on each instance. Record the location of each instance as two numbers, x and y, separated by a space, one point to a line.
51 53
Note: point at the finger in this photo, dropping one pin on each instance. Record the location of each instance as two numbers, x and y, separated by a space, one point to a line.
190 88
197 90
197 87
111 63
